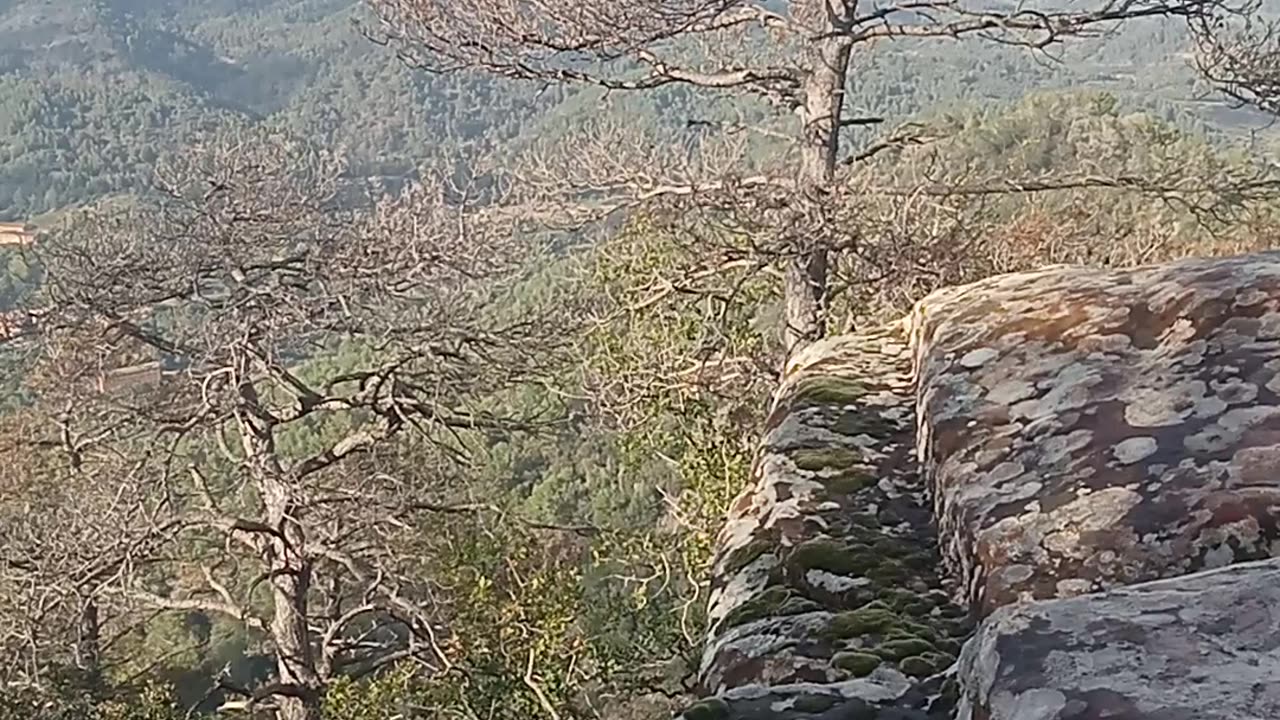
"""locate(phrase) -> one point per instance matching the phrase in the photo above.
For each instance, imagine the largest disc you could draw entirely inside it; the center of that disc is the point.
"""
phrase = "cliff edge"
(1051, 495)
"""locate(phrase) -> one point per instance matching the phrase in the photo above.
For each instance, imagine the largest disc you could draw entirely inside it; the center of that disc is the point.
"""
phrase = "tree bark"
(805, 288)
(88, 644)
(284, 556)
(295, 661)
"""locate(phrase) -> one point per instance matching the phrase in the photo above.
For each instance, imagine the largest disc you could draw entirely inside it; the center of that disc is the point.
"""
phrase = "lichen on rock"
(1084, 429)
(1200, 647)
(1086, 461)
(826, 586)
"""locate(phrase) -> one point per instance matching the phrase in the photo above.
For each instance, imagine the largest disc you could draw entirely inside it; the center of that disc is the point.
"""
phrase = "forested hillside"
(460, 448)
(93, 91)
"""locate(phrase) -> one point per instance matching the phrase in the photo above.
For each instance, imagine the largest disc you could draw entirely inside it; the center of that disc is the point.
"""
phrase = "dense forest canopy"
(92, 92)
(325, 258)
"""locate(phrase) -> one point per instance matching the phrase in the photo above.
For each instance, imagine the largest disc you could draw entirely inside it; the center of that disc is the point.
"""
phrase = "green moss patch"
(848, 482)
(888, 636)
(888, 573)
(925, 664)
(833, 458)
(832, 556)
(949, 646)
(871, 618)
(919, 630)
(761, 606)
(908, 602)
(776, 601)
(709, 709)
(864, 422)
(826, 390)
(906, 647)
(857, 664)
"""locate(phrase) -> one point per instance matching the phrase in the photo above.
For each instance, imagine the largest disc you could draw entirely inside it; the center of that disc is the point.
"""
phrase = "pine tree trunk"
(295, 664)
(290, 583)
(88, 645)
(284, 556)
(806, 274)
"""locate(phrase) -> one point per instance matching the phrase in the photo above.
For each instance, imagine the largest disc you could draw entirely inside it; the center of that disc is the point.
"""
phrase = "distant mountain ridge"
(93, 92)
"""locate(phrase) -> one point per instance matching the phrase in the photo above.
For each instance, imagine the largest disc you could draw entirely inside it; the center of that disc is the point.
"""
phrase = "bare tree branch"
(797, 58)
(1239, 53)
(298, 336)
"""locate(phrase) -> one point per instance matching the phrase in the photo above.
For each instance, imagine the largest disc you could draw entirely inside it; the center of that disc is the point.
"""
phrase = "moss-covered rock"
(888, 572)
(949, 646)
(863, 521)
(830, 555)
(863, 422)
(919, 608)
(775, 601)
(708, 709)
(814, 704)
(831, 458)
(898, 633)
(825, 390)
(899, 599)
(893, 546)
(961, 627)
(925, 664)
(906, 647)
(857, 664)
(916, 667)
(764, 605)
(747, 554)
(871, 618)
(848, 481)
(919, 630)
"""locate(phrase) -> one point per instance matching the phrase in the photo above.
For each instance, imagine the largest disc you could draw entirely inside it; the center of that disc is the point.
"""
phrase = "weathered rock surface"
(1084, 429)
(1200, 647)
(1073, 454)
(827, 600)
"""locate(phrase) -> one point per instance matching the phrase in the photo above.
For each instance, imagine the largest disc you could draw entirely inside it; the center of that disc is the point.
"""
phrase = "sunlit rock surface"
(1063, 437)
(1200, 647)
(1084, 429)
(827, 599)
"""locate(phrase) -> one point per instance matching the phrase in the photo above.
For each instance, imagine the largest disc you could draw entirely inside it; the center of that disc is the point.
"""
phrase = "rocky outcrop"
(1082, 430)
(1065, 438)
(1200, 647)
(827, 596)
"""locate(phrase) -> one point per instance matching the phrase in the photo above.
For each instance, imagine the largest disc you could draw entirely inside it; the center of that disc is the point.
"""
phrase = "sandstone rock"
(1200, 647)
(1084, 429)
(1084, 446)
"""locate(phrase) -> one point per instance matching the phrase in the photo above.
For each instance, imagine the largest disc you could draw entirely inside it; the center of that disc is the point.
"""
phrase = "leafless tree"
(228, 369)
(1239, 53)
(795, 56)
(52, 561)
